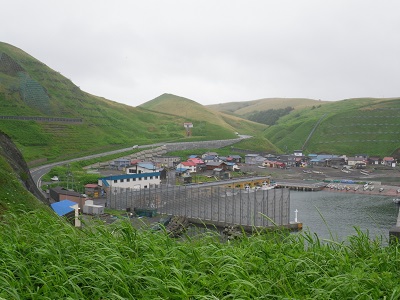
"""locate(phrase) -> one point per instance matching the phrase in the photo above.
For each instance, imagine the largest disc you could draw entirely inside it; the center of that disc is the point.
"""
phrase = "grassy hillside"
(245, 108)
(349, 127)
(199, 114)
(30, 88)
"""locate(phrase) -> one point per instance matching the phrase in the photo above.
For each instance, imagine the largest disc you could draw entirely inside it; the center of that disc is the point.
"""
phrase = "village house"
(120, 163)
(289, 160)
(141, 167)
(221, 173)
(59, 193)
(211, 154)
(298, 152)
(93, 190)
(273, 164)
(215, 164)
(232, 166)
(69, 210)
(196, 160)
(253, 159)
(209, 158)
(374, 160)
(354, 161)
(188, 165)
(234, 158)
(389, 161)
(167, 161)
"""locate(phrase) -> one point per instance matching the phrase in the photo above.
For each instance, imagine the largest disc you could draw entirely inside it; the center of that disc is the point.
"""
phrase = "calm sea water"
(324, 212)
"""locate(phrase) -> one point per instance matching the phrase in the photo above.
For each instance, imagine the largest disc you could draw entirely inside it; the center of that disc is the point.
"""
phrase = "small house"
(93, 190)
(215, 164)
(69, 210)
(59, 193)
(220, 173)
(254, 159)
(191, 166)
(389, 161)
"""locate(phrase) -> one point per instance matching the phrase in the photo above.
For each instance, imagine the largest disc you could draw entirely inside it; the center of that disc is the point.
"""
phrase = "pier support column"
(394, 232)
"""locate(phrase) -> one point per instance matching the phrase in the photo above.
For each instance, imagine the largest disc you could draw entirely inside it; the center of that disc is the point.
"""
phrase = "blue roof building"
(63, 207)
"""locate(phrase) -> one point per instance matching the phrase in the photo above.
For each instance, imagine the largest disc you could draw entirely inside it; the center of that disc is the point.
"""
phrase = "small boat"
(396, 200)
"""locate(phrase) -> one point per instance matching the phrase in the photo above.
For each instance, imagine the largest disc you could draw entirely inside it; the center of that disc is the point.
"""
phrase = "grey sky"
(213, 51)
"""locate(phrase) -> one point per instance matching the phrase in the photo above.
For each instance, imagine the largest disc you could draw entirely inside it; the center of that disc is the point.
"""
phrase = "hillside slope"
(18, 192)
(93, 124)
(353, 126)
(199, 114)
(245, 108)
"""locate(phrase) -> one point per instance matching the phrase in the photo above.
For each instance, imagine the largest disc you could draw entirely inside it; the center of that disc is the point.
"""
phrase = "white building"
(142, 167)
(132, 181)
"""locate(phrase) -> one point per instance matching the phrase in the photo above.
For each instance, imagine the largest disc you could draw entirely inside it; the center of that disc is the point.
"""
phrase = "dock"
(301, 185)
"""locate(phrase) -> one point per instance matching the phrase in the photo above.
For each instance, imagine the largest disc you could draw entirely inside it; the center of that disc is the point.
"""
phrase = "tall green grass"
(41, 257)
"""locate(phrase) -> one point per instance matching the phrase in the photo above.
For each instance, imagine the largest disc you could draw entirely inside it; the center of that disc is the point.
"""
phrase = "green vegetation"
(200, 116)
(347, 127)
(245, 108)
(270, 116)
(43, 257)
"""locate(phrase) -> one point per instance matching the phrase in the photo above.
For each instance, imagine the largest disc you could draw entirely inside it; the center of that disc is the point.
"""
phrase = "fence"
(218, 204)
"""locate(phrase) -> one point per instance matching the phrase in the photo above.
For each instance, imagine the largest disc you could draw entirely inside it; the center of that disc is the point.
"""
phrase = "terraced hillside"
(353, 126)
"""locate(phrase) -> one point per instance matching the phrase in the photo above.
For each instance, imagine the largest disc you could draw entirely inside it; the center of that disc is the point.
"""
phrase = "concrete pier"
(304, 186)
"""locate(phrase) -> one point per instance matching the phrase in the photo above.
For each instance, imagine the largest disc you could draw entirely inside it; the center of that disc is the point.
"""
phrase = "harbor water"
(334, 215)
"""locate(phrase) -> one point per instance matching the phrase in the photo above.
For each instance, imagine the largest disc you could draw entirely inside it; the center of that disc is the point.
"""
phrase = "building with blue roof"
(68, 209)
(132, 181)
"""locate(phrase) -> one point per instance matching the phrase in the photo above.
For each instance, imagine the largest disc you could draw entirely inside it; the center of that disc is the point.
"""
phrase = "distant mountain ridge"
(245, 108)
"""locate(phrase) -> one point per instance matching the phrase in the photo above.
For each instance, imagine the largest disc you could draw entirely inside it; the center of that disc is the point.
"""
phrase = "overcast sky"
(213, 51)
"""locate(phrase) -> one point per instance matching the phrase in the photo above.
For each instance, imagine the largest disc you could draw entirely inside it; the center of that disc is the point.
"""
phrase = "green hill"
(353, 126)
(205, 119)
(85, 123)
(198, 114)
(245, 108)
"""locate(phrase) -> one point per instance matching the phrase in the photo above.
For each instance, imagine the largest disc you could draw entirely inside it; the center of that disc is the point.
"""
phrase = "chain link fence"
(214, 203)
